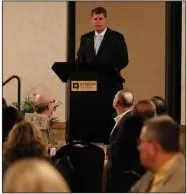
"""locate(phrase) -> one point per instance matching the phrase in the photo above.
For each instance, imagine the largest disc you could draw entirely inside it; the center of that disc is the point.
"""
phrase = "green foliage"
(53, 120)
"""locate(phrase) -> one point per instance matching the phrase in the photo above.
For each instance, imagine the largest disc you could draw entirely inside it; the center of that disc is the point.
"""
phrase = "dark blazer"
(119, 127)
(112, 51)
(124, 156)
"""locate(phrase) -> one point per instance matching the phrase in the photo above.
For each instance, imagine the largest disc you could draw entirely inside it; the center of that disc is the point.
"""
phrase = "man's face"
(51, 107)
(146, 149)
(99, 22)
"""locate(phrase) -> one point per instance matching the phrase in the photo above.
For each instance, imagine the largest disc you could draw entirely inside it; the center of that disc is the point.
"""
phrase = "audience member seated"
(145, 109)
(24, 140)
(10, 117)
(44, 104)
(122, 103)
(4, 104)
(124, 167)
(160, 104)
(159, 152)
(33, 176)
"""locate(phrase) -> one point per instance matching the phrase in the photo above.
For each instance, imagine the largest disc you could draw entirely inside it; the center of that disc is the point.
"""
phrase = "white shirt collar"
(118, 118)
(102, 33)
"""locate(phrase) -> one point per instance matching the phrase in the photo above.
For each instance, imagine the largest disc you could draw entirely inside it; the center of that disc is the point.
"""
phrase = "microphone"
(77, 64)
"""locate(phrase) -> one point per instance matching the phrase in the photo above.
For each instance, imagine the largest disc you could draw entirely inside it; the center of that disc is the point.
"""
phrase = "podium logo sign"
(83, 86)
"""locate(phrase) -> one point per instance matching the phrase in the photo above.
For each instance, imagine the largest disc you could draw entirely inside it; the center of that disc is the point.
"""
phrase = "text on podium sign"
(83, 86)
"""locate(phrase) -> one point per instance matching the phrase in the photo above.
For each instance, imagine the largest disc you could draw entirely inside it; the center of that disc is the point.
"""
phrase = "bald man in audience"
(122, 103)
(44, 103)
(159, 149)
(124, 166)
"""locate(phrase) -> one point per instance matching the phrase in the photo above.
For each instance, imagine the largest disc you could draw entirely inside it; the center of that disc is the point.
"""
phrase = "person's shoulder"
(131, 118)
(88, 34)
(142, 183)
(116, 33)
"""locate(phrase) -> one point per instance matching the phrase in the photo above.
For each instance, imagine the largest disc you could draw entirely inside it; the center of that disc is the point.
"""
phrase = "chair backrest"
(88, 162)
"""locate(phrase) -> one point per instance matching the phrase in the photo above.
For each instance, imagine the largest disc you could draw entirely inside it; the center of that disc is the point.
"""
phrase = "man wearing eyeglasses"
(44, 107)
(159, 149)
(44, 104)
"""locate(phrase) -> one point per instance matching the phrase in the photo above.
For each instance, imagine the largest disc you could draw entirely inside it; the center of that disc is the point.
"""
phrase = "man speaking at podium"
(102, 46)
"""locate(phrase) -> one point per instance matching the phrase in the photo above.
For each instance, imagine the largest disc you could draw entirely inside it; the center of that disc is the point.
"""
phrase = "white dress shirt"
(96, 36)
(102, 33)
(117, 119)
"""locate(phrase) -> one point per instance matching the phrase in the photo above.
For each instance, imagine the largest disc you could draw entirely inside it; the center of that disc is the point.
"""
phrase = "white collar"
(118, 118)
(102, 33)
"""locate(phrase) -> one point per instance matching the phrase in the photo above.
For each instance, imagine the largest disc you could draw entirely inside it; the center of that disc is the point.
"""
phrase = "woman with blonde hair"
(24, 140)
(33, 175)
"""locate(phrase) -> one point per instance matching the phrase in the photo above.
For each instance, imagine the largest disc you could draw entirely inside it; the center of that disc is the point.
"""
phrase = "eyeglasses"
(53, 101)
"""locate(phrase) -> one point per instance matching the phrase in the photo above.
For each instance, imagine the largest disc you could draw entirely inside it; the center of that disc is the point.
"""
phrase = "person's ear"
(156, 147)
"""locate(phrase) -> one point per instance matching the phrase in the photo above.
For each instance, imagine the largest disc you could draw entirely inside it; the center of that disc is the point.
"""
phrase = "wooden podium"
(90, 93)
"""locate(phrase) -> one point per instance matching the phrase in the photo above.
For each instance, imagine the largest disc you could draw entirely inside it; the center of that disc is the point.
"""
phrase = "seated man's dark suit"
(112, 51)
(118, 127)
(124, 167)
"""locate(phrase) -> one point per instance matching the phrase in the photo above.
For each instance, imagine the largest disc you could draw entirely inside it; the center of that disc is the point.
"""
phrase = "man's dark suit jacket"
(112, 51)
(124, 156)
(118, 127)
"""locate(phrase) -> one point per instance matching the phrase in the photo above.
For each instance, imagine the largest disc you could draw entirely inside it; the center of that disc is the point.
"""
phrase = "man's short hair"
(41, 102)
(125, 98)
(160, 104)
(145, 109)
(41, 109)
(165, 131)
(99, 10)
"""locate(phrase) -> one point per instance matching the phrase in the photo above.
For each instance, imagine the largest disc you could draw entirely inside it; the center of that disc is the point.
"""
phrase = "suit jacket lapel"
(113, 132)
(90, 45)
(145, 185)
(105, 40)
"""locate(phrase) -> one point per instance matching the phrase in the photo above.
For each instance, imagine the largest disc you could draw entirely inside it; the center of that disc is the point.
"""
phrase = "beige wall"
(143, 25)
(183, 69)
(34, 37)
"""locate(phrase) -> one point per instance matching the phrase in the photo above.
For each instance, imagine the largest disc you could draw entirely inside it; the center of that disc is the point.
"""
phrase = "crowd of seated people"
(143, 152)
(123, 171)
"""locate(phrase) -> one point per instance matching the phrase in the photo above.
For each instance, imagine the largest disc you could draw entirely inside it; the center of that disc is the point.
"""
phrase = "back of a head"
(133, 124)
(160, 104)
(10, 117)
(24, 140)
(145, 109)
(125, 98)
(42, 101)
(166, 132)
(33, 175)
